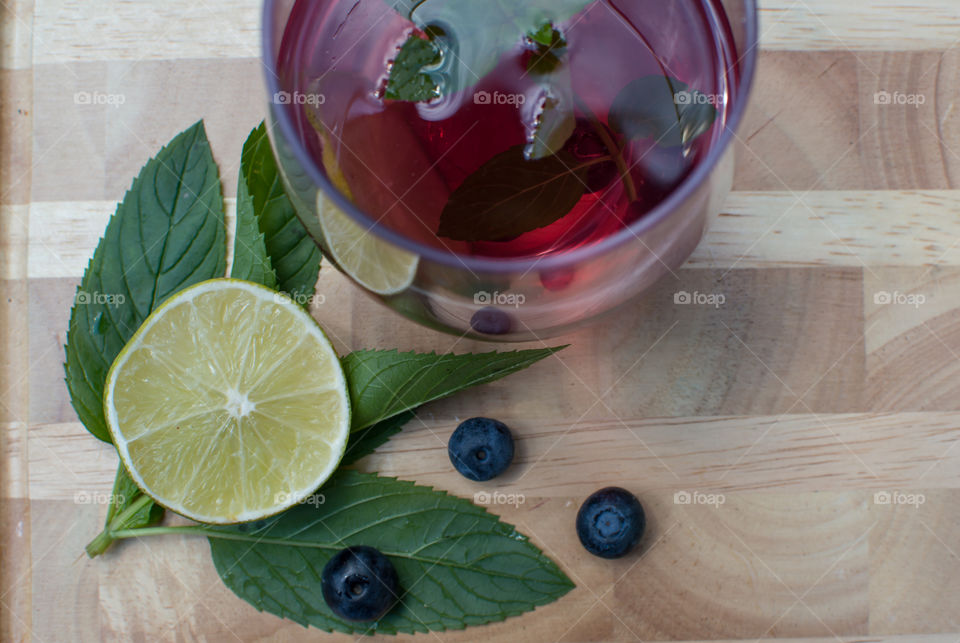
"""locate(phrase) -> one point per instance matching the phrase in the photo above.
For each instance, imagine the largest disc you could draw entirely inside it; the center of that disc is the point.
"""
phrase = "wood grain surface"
(829, 378)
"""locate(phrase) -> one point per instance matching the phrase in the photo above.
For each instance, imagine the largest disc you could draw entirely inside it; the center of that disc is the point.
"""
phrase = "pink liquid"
(402, 160)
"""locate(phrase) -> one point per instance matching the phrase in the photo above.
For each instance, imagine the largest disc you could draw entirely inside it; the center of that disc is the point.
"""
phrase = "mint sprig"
(460, 565)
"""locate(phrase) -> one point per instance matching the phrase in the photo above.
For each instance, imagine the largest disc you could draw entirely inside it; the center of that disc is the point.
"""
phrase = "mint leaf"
(661, 108)
(294, 256)
(385, 383)
(474, 36)
(407, 79)
(553, 128)
(250, 259)
(509, 196)
(166, 234)
(458, 564)
(546, 35)
(365, 441)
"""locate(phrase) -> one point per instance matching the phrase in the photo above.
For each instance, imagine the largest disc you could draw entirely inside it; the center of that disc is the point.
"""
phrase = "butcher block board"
(795, 403)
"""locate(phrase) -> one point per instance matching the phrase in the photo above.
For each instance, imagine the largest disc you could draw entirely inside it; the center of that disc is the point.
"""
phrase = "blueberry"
(610, 522)
(481, 448)
(557, 279)
(491, 321)
(359, 584)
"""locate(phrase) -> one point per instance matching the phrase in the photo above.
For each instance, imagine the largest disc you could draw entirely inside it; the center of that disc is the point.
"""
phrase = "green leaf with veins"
(294, 256)
(471, 36)
(385, 383)
(509, 196)
(458, 564)
(250, 259)
(408, 79)
(167, 233)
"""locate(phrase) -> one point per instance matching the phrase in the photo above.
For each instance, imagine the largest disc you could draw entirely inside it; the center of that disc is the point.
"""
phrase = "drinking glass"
(444, 286)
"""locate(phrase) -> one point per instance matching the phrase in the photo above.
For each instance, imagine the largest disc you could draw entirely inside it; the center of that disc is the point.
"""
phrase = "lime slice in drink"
(228, 404)
(375, 264)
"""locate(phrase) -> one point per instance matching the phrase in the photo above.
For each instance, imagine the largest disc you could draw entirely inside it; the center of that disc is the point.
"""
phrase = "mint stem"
(160, 531)
(612, 147)
(106, 537)
(99, 544)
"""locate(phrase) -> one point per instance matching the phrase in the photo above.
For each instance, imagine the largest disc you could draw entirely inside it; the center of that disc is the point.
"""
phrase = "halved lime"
(229, 403)
(375, 264)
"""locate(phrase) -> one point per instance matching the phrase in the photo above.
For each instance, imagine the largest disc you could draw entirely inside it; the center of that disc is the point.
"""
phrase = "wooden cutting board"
(795, 402)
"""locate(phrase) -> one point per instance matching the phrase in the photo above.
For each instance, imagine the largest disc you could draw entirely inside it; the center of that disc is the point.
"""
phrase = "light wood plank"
(825, 228)
(791, 453)
(94, 30)
(16, 42)
(815, 122)
(755, 230)
(75, 30)
(880, 25)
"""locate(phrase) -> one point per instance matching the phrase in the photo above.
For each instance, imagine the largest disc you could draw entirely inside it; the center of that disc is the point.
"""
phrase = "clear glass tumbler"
(444, 286)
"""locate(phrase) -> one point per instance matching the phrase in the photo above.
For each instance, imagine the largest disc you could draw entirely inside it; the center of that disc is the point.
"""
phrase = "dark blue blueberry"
(360, 584)
(610, 522)
(481, 448)
(491, 321)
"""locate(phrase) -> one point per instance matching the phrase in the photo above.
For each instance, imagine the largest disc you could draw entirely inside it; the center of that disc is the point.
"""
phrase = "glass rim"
(655, 216)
